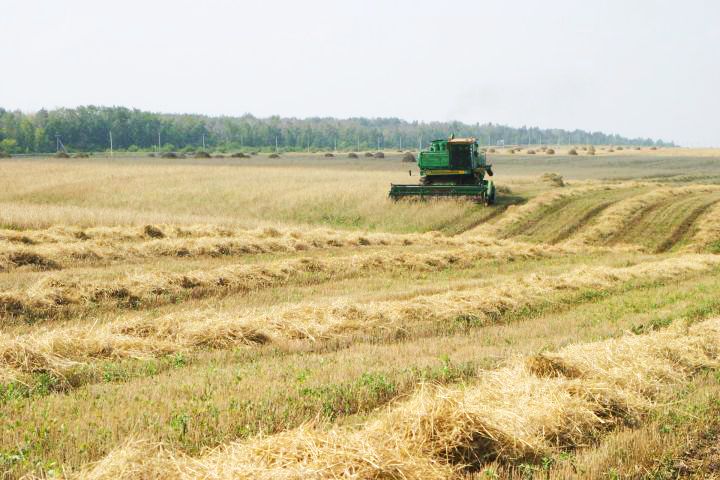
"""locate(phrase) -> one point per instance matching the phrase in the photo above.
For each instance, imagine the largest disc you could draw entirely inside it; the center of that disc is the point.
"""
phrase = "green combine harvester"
(451, 168)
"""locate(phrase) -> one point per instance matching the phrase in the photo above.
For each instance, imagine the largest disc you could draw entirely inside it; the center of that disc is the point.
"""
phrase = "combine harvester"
(451, 168)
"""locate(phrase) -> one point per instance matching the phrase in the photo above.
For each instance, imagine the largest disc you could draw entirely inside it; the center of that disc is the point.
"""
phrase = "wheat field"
(282, 318)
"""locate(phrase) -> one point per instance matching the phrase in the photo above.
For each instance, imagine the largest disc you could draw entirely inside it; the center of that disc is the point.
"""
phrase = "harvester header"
(451, 168)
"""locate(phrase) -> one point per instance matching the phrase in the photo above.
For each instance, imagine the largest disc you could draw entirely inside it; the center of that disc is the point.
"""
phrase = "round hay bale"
(653, 148)
(239, 155)
(572, 151)
(619, 148)
(610, 150)
(274, 155)
(531, 152)
(151, 155)
(4, 154)
(408, 157)
(218, 155)
(379, 155)
(491, 150)
(550, 151)
(253, 153)
(638, 148)
(202, 155)
(62, 155)
(170, 155)
(329, 155)
(352, 155)
(368, 154)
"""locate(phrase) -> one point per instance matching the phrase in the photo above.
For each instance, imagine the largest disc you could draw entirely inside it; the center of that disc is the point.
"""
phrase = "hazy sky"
(638, 68)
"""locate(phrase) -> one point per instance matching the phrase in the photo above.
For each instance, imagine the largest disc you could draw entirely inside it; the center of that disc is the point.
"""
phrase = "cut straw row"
(531, 409)
(616, 218)
(54, 295)
(707, 234)
(126, 235)
(57, 255)
(61, 349)
(515, 214)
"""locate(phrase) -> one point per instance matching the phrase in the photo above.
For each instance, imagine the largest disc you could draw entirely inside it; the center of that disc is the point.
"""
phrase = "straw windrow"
(53, 295)
(616, 218)
(517, 213)
(707, 235)
(59, 349)
(53, 247)
(523, 412)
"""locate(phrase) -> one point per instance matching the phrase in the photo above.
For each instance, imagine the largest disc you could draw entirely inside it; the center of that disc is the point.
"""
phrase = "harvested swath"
(169, 242)
(52, 296)
(707, 236)
(617, 217)
(408, 157)
(515, 214)
(144, 336)
(530, 409)
(202, 154)
(128, 234)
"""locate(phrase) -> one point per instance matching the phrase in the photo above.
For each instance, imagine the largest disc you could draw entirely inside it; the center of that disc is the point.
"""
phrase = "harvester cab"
(451, 168)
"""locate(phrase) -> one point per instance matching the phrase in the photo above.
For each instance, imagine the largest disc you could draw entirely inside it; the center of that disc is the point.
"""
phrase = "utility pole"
(111, 149)
(400, 142)
(358, 142)
(276, 144)
(57, 143)
(203, 141)
(335, 149)
(159, 146)
(378, 144)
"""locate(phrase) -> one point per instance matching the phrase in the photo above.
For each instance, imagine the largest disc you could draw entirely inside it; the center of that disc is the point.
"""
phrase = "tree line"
(89, 128)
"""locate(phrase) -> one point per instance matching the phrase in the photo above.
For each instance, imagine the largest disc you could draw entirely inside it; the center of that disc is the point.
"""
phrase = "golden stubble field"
(281, 318)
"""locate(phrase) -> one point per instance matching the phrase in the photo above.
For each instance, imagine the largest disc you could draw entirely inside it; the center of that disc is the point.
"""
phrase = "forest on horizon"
(88, 129)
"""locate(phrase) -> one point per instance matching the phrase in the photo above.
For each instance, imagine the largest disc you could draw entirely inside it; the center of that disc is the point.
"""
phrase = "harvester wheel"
(490, 195)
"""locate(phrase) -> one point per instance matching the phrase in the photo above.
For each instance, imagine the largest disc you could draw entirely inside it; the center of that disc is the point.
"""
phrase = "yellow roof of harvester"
(462, 140)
